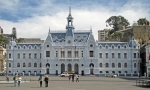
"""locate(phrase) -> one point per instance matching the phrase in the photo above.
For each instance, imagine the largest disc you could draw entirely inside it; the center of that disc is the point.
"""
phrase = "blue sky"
(38, 15)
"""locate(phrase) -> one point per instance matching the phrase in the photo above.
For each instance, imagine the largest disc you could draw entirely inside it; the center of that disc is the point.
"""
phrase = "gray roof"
(78, 37)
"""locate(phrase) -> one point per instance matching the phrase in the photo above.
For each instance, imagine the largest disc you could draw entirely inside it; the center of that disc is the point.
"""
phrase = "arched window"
(29, 65)
(107, 65)
(125, 65)
(118, 47)
(35, 64)
(113, 65)
(35, 47)
(18, 64)
(134, 65)
(100, 65)
(24, 65)
(9, 64)
(119, 65)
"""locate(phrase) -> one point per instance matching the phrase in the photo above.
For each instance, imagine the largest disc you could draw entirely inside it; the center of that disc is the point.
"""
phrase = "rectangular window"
(125, 55)
(56, 53)
(24, 55)
(35, 55)
(40, 55)
(82, 53)
(69, 54)
(76, 54)
(113, 55)
(138, 55)
(18, 55)
(47, 53)
(134, 55)
(9, 55)
(62, 54)
(29, 55)
(119, 55)
(106, 55)
(100, 55)
(91, 54)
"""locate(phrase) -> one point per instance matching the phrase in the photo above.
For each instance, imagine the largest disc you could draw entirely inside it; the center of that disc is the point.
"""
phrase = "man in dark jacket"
(46, 79)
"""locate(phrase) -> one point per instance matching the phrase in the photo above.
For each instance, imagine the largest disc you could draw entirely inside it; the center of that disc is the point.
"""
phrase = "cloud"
(37, 26)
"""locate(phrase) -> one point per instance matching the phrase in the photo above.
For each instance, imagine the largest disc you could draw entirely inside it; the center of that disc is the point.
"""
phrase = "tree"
(116, 21)
(3, 41)
(143, 21)
(117, 36)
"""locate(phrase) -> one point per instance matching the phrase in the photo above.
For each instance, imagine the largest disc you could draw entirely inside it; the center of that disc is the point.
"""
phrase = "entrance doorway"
(91, 68)
(62, 68)
(69, 68)
(76, 69)
(47, 68)
(82, 73)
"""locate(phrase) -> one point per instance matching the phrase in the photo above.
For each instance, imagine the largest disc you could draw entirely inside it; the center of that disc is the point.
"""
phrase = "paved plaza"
(62, 83)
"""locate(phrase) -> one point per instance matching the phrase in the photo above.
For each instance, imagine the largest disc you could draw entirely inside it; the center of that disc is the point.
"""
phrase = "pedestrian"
(77, 78)
(73, 77)
(7, 78)
(15, 80)
(69, 77)
(19, 80)
(40, 80)
(46, 80)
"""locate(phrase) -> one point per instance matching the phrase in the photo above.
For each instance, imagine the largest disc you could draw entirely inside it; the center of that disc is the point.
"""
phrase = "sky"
(34, 18)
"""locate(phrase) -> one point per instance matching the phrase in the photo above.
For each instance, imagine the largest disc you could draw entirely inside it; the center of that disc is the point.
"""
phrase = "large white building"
(73, 50)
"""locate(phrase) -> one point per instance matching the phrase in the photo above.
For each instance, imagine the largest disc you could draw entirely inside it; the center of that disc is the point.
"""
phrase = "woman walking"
(46, 80)
(19, 80)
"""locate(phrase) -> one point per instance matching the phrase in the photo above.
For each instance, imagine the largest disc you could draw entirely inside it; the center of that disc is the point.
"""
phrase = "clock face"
(91, 45)
(69, 41)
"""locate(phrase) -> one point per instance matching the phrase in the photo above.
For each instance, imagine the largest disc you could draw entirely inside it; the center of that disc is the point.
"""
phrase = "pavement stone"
(86, 83)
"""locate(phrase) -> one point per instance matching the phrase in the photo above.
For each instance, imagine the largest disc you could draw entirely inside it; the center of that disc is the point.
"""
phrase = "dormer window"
(134, 46)
(112, 47)
(35, 47)
(100, 47)
(106, 47)
(29, 47)
(18, 47)
(125, 47)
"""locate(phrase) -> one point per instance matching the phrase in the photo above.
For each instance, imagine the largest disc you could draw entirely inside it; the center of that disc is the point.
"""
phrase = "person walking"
(77, 78)
(69, 77)
(19, 80)
(73, 77)
(46, 80)
(15, 80)
(40, 80)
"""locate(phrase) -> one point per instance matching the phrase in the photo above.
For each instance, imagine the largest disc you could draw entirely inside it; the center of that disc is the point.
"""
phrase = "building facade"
(103, 34)
(147, 60)
(73, 51)
(2, 59)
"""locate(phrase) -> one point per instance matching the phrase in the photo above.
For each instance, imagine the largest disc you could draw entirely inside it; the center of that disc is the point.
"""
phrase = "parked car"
(65, 74)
